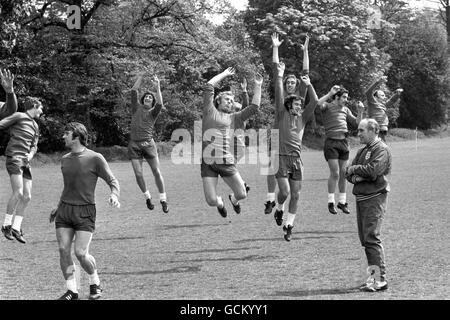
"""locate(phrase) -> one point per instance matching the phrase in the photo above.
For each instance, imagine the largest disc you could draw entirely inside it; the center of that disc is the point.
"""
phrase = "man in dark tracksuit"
(368, 173)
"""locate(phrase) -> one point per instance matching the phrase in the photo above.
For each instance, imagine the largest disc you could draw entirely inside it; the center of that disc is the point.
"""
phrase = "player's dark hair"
(297, 81)
(290, 100)
(339, 93)
(30, 103)
(78, 130)
(148, 93)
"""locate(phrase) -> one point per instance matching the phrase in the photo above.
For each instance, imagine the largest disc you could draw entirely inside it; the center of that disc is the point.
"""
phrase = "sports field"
(193, 253)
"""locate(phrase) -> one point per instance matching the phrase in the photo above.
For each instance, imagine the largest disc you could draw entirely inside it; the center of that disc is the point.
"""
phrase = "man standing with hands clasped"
(368, 172)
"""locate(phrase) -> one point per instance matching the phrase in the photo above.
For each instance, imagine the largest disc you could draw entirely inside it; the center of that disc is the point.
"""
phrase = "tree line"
(86, 74)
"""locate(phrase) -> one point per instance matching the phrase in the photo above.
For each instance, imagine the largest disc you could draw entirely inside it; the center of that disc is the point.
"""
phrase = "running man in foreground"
(292, 119)
(218, 123)
(22, 146)
(335, 116)
(76, 213)
(142, 145)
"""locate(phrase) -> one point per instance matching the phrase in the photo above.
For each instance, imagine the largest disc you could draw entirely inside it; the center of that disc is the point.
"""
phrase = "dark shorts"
(215, 169)
(16, 165)
(142, 149)
(78, 218)
(336, 149)
(290, 167)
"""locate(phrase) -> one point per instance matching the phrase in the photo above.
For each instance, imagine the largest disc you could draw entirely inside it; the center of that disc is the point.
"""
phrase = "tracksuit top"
(373, 163)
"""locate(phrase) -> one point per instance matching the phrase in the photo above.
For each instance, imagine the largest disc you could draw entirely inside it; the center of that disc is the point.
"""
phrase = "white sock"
(93, 278)
(233, 199)
(342, 198)
(72, 285)
(331, 197)
(8, 220)
(290, 219)
(270, 197)
(280, 206)
(219, 202)
(17, 222)
(147, 195)
(162, 197)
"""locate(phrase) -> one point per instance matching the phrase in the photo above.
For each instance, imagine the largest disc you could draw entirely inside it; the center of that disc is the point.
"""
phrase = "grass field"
(193, 253)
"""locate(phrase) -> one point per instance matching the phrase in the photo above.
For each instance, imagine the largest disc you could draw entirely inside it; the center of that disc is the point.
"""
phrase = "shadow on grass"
(182, 269)
(217, 250)
(246, 258)
(294, 238)
(95, 239)
(315, 292)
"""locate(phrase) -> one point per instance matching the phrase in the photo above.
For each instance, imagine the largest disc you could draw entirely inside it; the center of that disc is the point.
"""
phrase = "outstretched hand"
(229, 71)
(384, 78)
(304, 46)
(114, 201)
(306, 80)
(155, 81)
(275, 41)
(7, 79)
(399, 90)
(360, 105)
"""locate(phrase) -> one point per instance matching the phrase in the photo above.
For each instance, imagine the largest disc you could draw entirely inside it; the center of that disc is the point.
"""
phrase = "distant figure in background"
(377, 105)
(368, 172)
(75, 214)
(142, 145)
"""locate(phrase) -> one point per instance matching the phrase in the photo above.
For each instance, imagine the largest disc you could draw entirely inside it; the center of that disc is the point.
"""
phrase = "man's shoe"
(6, 230)
(288, 234)
(236, 207)
(165, 207)
(343, 207)
(332, 208)
(95, 292)
(18, 235)
(69, 295)
(375, 286)
(278, 217)
(269, 206)
(222, 211)
(150, 205)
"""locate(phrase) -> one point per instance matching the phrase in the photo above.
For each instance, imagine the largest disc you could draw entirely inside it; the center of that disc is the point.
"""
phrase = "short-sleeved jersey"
(335, 119)
(142, 122)
(24, 134)
(219, 127)
(81, 172)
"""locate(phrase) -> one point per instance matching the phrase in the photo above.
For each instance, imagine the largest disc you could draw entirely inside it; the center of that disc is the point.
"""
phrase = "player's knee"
(80, 254)
(295, 196)
(64, 252)
(26, 197)
(18, 194)
(211, 201)
(334, 174)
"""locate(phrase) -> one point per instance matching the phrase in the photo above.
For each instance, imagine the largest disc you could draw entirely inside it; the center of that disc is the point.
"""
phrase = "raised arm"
(256, 100)
(392, 100)
(279, 95)
(159, 101)
(321, 102)
(275, 44)
(135, 92)
(354, 121)
(9, 121)
(244, 93)
(304, 47)
(218, 78)
(7, 82)
(208, 91)
(373, 87)
(311, 106)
